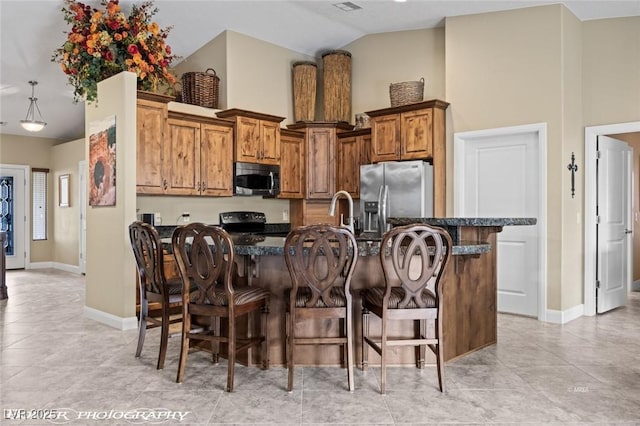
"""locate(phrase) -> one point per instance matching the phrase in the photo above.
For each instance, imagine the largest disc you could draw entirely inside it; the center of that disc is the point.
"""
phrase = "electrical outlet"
(186, 216)
(285, 214)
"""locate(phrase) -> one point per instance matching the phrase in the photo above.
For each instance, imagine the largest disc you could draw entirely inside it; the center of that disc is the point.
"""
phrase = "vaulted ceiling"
(31, 30)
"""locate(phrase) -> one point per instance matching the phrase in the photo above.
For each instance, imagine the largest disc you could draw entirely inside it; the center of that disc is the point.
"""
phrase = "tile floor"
(51, 357)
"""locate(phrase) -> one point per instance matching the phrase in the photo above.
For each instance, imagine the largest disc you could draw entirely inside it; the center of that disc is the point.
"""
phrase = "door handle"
(628, 231)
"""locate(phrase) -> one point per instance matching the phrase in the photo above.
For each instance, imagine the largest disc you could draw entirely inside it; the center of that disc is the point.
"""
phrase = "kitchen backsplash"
(207, 209)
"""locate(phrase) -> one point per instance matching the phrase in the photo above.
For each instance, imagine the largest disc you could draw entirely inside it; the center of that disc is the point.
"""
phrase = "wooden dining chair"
(154, 288)
(413, 260)
(321, 260)
(205, 257)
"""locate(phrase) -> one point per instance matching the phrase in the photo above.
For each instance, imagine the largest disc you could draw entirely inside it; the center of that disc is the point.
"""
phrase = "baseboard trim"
(635, 286)
(563, 317)
(40, 265)
(55, 265)
(111, 320)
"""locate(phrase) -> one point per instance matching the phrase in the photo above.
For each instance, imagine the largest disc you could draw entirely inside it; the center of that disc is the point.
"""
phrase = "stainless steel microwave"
(256, 179)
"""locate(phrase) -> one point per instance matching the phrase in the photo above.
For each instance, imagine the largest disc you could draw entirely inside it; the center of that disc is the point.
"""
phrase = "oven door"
(256, 179)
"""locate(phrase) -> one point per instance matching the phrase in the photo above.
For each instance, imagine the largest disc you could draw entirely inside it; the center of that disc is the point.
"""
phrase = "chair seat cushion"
(375, 295)
(243, 295)
(304, 294)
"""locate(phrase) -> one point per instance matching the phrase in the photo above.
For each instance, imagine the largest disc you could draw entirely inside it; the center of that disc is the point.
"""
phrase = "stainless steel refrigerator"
(394, 189)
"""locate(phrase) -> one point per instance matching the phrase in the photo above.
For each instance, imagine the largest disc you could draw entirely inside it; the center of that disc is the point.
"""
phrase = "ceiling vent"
(347, 6)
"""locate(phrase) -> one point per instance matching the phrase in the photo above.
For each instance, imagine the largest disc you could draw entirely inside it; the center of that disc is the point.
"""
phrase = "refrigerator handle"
(380, 212)
(383, 203)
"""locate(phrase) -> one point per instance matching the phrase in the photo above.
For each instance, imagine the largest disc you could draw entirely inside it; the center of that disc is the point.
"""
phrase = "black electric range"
(247, 227)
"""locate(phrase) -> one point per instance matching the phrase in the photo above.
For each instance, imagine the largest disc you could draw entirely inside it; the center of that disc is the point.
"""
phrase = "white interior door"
(13, 198)
(614, 223)
(499, 177)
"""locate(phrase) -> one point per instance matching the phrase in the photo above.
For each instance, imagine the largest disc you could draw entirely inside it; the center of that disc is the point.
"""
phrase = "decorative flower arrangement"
(101, 44)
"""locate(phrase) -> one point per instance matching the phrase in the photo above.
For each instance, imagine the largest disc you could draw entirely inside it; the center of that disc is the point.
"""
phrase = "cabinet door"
(216, 160)
(247, 139)
(385, 138)
(269, 143)
(182, 157)
(348, 165)
(416, 141)
(320, 163)
(291, 166)
(365, 149)
(151, 119)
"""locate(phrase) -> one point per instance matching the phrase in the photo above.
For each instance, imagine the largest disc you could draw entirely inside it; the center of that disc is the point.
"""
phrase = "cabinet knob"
(164, 184)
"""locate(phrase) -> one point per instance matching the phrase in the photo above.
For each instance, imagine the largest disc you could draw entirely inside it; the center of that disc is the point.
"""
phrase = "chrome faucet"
(332, 210)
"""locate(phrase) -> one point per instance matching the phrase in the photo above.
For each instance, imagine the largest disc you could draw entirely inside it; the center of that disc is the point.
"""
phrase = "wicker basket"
(407, 92)
(201, 88)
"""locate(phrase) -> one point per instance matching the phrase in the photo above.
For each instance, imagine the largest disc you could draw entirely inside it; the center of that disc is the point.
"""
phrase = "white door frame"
(27, 210)
(590, 185)
(460, 139)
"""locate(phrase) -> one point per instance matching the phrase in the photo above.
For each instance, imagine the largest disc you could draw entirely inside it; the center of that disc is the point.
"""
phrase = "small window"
(39, 203)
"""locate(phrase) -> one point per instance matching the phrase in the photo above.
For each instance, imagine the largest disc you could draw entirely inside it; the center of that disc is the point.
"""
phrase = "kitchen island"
(470, 291)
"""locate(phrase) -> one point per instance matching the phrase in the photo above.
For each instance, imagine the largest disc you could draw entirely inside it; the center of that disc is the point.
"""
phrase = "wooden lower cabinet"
(309, 212)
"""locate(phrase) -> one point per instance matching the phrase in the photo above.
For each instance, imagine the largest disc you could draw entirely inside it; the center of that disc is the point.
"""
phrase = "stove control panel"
(242, 217)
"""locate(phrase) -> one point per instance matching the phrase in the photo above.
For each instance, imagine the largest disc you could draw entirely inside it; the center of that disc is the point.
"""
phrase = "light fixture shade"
(32, 126)
(30, 123)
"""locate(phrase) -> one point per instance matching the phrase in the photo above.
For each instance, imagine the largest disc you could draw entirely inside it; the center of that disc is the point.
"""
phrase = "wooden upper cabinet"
(407, 132)
(151, 128)
(182, 152)
(257, 137)
(352, 151)
(416, 132)
(216, 159)
(385, 138)
(416, 141)
(320, 153)
(292, 176)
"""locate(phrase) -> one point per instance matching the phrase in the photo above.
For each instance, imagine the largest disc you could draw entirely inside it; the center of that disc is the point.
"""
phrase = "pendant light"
(30, 123)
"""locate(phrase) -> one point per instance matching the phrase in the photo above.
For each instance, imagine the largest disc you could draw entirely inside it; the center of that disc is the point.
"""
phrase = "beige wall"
(501, 72)
(206, 209)
(611, 60)
(254, 74)
(33, 152)
(64, 160)
(381, 59)
(572, 275)
(110, 283)
(211, 55)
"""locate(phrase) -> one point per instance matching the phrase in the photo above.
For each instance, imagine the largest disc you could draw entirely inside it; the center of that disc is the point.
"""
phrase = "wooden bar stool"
(416, 256)
(321, 260)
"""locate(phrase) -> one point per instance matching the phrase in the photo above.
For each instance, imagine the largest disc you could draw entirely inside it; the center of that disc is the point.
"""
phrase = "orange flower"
(117, 37)
(153, 28)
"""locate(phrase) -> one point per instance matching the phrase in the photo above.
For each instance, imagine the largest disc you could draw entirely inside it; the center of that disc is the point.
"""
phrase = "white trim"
(635, 286)
(590, 144)
(75, 269)
(55, 265)
(563, 317)
(119, 323)
(40, 265)
(27, 209)
(459, 140)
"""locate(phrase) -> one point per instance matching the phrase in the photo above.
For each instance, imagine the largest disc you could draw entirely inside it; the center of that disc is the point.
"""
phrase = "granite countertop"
(463, 221)
(274, 246)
